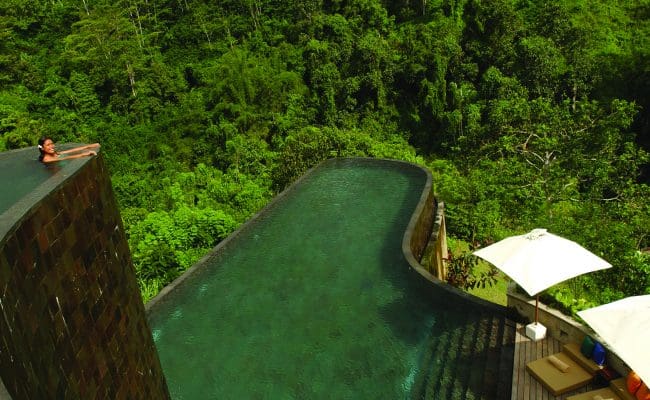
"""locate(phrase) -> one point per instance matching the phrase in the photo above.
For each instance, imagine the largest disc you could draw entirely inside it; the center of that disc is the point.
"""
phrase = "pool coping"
(414, 264)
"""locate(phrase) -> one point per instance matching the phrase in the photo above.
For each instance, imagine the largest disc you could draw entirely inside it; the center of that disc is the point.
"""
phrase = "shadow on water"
(460, 347)
(419, 300)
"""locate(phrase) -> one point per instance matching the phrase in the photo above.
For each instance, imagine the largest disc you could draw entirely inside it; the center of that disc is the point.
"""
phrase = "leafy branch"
(461, 272)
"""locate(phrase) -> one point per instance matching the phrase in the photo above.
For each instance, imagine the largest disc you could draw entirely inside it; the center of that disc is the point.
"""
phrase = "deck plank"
(519, 373)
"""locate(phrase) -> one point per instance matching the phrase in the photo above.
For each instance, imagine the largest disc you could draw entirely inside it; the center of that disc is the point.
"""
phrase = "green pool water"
(313, 300)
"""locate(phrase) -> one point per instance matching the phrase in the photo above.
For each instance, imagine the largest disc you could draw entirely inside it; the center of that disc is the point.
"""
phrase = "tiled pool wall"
(72, 321)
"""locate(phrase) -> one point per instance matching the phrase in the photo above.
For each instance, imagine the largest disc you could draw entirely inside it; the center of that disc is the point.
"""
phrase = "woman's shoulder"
(50, 158)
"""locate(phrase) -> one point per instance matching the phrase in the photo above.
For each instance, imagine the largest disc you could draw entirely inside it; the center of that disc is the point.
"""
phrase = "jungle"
(528, 113)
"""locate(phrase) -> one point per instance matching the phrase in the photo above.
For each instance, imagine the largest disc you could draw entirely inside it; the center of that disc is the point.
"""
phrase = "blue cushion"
(599, 354)
(587, 347)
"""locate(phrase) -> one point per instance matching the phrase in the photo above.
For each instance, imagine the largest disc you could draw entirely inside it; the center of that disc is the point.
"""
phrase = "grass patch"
(495, 293)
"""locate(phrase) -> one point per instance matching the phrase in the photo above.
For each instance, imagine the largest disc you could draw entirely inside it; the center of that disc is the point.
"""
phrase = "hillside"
(529, 114)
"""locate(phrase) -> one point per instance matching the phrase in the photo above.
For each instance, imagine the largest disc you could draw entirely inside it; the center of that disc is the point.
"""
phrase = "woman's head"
(45, 146)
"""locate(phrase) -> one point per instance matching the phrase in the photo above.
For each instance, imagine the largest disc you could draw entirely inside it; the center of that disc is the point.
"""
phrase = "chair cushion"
(604, 393)
(633, 382)
(599, 354)
(573, 350)
(553, 379)
(587, 346)
(618, 386)
(643, 393)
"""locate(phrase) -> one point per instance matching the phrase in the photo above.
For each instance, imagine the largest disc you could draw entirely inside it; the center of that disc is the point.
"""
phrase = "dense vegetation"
(528, 113)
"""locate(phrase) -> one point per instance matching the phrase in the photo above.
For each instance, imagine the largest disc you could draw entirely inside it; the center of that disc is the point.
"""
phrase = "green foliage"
(462, 272)
(167, 243)
(529, 114)
(308, 147)
(567, 300)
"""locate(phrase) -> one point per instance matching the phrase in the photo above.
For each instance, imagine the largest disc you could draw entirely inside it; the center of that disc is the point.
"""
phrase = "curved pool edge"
(415, 237)
(426, 215)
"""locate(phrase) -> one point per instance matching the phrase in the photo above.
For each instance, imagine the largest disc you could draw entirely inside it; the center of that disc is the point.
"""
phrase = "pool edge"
(429, 204)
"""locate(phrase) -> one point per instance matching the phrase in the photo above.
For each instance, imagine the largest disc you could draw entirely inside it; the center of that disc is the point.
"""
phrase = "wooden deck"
(524, 386)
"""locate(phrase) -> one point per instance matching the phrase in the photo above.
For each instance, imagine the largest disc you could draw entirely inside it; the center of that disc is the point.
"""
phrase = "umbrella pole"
(535, 330)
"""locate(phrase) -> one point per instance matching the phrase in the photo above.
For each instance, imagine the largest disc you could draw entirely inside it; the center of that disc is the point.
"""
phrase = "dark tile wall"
(72, 323)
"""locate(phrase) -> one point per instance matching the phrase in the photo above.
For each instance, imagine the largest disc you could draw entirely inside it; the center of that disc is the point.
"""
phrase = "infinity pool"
(21, 173)
(313, 299)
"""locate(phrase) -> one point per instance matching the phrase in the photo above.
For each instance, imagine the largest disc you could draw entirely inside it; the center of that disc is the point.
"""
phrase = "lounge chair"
(559, 380)
(604, 393)
(573, 350)
(577, 368)
(616, 391)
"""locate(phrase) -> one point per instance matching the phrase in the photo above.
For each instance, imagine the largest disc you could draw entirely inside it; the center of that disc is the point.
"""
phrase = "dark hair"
(41, 143)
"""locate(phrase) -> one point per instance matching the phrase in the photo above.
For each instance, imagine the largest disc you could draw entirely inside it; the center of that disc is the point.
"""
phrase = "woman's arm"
(48, 158)
(93, 146)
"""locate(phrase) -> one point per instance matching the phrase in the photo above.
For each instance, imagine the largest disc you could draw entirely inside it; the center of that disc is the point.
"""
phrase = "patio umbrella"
(539, 260)
(624, 325)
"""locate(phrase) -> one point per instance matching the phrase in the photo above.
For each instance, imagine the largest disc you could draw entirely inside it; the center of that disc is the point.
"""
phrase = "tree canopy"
(529, 114)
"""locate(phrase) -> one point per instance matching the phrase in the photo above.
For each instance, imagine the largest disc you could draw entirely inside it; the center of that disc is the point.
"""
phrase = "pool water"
(314, 300)
(21, 171)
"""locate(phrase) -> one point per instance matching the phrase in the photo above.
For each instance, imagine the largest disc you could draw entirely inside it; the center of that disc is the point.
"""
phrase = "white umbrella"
(539, 259)
(624, 325)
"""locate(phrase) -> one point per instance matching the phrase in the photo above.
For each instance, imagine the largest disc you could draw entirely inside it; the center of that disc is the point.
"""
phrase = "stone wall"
(425, 247)
(72, 322)
(419, 228)
(434, 259)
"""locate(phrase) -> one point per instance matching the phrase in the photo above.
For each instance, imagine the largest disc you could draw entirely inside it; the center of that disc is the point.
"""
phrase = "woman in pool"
(49, 153)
